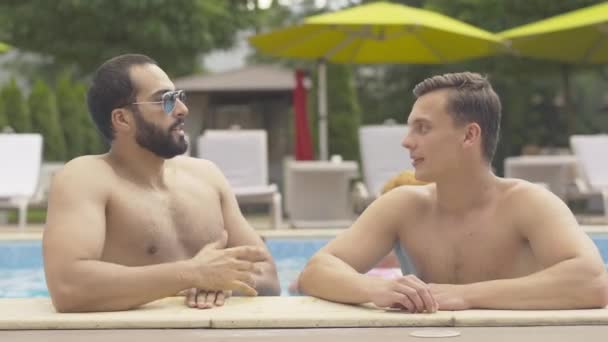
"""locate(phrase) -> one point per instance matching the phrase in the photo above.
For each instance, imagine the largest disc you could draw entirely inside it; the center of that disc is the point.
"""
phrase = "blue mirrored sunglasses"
(168, 100)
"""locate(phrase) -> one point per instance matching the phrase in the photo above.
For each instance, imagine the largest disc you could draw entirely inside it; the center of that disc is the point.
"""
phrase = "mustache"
(177, 123)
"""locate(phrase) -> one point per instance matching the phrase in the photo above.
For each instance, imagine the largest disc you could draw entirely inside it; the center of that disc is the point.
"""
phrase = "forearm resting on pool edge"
(328, 277)
(570, 284)
(93, 285)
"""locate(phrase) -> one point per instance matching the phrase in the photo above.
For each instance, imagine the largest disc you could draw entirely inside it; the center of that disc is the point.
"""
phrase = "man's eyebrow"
(419, 120)
(160, 92)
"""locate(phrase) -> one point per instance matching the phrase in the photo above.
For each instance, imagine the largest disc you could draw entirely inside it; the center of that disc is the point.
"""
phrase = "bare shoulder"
(90, 172)
(520, 193)
(84, 180)
(406, 201)
(532, 204)
(417, 197)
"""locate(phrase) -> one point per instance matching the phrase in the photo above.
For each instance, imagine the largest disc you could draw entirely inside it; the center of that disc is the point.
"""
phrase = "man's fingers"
(203, 299)
(248, 253)
(430, 304)
(243, 288)
(423, 295)
(220, 298)
(241, 265)
(191, 297)
(405, 302)
(412, 294)
(206, 299)
(424, 291)
(246, 278)
(427, 297)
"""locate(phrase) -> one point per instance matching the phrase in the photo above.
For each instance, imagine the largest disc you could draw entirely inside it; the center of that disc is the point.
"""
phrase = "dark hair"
(112, 88)
(471, 99)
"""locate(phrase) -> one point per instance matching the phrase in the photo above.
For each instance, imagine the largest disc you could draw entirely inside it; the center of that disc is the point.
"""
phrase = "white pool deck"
(286, 318)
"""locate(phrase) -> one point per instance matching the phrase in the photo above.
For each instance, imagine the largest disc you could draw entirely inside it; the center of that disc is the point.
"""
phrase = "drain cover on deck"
(435, 333)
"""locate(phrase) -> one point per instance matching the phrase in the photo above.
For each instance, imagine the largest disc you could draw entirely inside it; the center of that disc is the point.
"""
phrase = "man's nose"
(181, 110)
(407, 142)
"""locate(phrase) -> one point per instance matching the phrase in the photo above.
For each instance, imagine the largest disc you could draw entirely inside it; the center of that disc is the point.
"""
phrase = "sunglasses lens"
(168, 102)
(170, 98)
(169, 105)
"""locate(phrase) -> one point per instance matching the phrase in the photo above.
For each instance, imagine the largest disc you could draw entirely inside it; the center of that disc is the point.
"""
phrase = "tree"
(45, 120)
(15, 107)
(93, 142)
(73, 114)
(86, 33)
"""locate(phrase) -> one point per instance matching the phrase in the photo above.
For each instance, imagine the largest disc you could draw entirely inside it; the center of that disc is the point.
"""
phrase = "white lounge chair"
(556, 172)
(382, 156)
(317, 193)
(242, 155)
(20, 158)
(590, 151)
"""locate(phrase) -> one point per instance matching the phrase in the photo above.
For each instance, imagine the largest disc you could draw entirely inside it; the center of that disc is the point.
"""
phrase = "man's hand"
(217, 269)
(450, 297)
(202, 299)
(407, 292)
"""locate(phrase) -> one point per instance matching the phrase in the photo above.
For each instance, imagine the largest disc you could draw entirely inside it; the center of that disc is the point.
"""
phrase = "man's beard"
(157, 141)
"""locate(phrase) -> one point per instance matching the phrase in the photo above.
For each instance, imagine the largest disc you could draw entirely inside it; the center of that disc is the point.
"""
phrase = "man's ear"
(472, 134)
(122, 120)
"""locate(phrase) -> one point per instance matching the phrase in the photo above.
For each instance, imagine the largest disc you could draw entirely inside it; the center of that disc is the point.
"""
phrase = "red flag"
(303, 145)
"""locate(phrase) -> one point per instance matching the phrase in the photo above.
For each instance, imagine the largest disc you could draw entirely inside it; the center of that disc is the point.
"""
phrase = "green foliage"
(343, 112)
(93, 141)
(15, 107)
(86, 33)
(73, 114)
(45, 120)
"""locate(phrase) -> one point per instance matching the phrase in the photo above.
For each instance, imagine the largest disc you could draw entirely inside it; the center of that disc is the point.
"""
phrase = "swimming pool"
(22, 275)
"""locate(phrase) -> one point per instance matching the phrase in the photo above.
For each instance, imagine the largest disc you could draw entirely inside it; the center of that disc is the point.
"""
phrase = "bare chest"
(147, 227)
(460, 252)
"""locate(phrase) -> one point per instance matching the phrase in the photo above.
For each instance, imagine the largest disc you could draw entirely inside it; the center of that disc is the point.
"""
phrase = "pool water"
(22, 275)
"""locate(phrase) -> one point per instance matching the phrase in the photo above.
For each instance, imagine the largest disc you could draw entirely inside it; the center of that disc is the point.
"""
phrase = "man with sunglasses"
(142, 222)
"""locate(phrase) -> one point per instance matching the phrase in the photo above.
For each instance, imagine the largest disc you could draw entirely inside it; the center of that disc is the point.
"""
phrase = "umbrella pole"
(322, 102)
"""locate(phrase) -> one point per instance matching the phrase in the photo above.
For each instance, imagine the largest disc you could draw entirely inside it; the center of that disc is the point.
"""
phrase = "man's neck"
(465, 190)
(138, 164)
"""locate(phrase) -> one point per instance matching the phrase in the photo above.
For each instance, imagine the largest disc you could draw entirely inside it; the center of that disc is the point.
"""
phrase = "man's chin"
(422, 176)
(178, 151)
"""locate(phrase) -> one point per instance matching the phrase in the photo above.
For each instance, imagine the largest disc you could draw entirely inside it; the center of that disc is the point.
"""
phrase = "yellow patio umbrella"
(379, 32)
(576, 37)
(580, 36)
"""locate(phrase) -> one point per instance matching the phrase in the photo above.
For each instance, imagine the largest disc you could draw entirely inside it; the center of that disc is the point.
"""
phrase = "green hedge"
(59, 114)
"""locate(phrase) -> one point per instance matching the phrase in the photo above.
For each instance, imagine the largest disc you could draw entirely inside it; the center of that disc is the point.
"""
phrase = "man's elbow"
(65, 298)
(69, 298)
(306, 280)
(600, 291)
(592, 288)
(271, 289)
